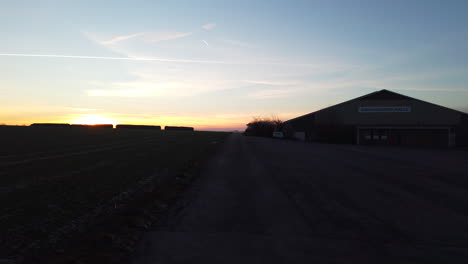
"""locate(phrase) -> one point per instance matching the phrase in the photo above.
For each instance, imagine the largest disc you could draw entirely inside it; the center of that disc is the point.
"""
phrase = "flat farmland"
(49, 177)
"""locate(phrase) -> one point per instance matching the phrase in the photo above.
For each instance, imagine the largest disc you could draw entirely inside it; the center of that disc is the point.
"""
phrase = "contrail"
(154, 59)
(111, 58)
(204, 41)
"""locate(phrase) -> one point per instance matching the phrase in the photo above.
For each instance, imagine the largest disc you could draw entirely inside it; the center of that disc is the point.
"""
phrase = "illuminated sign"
(384, 109)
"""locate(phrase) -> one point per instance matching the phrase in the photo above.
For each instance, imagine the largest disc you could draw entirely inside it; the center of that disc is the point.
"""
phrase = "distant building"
(145, 127)
(96, 126)
(178, 128)
(50, 125)
(382, 118)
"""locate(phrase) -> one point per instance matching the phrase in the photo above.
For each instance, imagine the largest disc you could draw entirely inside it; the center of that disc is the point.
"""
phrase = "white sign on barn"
(384, 109)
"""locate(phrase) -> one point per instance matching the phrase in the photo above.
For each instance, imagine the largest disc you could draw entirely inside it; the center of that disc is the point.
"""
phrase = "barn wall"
(461, 131)
(344, 134)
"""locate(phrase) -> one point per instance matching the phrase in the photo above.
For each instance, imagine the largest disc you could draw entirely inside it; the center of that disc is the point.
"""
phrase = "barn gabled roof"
(378, 95)
(383, 95)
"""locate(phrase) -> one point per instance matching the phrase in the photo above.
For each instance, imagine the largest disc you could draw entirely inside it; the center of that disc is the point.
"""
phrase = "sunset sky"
(217, 64)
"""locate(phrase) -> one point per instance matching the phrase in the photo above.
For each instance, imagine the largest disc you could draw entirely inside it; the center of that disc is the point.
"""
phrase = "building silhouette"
(382, 118)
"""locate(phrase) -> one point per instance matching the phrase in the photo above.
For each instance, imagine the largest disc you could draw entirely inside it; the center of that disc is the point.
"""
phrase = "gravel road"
(276, 201)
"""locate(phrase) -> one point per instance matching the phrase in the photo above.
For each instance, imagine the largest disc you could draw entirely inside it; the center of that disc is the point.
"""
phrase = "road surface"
(276, 201)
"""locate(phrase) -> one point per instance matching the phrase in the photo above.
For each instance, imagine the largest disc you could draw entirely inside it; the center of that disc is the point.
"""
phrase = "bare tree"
(263, 127)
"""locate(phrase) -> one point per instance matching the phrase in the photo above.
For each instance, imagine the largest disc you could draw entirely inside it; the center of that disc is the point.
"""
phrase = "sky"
(215, 65)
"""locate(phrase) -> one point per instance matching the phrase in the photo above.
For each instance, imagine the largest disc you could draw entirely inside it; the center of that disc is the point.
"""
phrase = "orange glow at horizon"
(199, 123)
(93, 120)
(215, 122)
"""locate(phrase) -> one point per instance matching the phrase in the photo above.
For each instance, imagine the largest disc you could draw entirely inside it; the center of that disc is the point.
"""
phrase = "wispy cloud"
(162, 36)
(158, 59)
(80, 109)
(71, 56)
(402, 82)
(121, 38)
(235, 43)
(119, 93)
(272, 83)
(426, 89)
(167, 85)
(151, 36)
(208, 27)
(147, 36)
(273, 93)
(149, 59)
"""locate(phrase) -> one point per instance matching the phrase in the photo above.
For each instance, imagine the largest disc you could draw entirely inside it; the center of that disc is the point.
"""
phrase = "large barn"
(383, 118)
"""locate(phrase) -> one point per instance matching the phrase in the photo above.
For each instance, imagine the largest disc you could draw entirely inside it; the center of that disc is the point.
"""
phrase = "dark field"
(50, 177)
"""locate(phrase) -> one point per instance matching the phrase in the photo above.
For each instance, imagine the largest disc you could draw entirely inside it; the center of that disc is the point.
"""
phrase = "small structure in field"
(50, 125)
(147, 127)
(178, 128)
(108, 126)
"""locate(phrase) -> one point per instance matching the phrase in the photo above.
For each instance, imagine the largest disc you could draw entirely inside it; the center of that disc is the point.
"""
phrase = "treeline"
(263, 127)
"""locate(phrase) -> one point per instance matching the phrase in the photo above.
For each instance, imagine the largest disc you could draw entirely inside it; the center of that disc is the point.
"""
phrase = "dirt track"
(273, 201)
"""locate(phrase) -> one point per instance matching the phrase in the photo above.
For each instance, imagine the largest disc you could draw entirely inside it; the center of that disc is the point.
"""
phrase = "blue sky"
(217, 64)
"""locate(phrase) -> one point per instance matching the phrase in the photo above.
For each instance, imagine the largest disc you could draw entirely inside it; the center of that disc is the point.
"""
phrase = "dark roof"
(378, 95)
(384, 95)
(126, 126)
(179, 128)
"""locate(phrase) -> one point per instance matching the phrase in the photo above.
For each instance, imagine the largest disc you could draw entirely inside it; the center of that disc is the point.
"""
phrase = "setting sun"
(93, 120)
